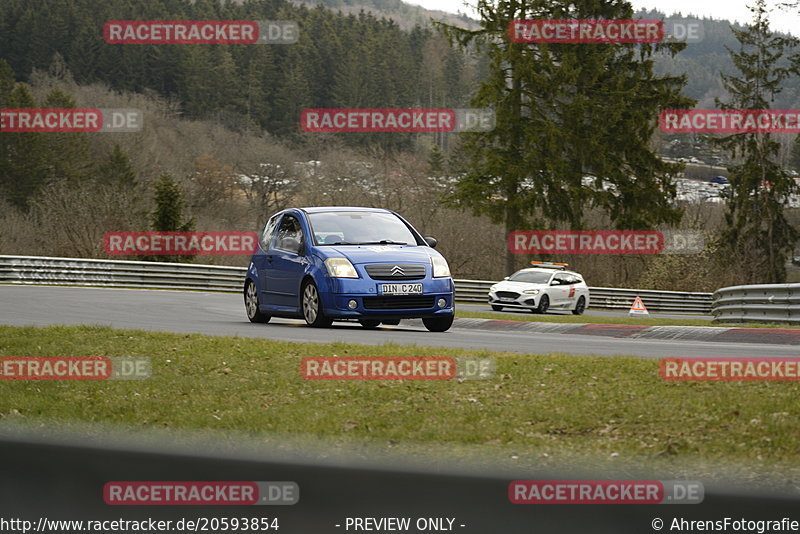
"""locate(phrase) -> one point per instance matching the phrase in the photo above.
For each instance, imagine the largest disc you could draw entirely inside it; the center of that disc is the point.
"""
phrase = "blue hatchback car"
(337, 263)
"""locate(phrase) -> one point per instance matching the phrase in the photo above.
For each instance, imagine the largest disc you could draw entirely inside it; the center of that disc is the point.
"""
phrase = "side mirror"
(506, 278)
(555, 283)
(431, 241)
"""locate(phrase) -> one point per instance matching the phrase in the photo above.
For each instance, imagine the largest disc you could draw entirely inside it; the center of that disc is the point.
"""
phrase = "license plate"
(507, 299)
(400, 289)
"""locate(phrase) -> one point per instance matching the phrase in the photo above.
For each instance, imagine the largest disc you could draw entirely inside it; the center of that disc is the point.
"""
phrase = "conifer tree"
(68, 155)
(758, 239)
(117, 169)
(23, 155)
(168, 214)
(565, 112)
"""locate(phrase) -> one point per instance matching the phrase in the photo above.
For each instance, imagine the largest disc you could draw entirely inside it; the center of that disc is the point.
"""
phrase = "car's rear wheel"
(580, 307)
(497, 308)
(544, 304)
(369, 324)
(251, 304)
(438, 324)
(312, 307)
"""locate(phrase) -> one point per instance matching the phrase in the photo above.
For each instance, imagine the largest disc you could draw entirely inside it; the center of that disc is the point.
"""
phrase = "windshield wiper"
(383, 242)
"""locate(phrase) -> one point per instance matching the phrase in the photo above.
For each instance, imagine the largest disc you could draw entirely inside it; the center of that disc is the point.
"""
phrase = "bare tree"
(267, 174)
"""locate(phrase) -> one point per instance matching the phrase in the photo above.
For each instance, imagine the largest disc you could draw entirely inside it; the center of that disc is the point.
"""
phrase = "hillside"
(702, 62)
(405, 15)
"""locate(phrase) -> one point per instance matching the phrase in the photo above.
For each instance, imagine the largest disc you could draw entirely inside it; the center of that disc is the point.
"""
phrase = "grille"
(398, 302)
(392, 271)
(507, 294)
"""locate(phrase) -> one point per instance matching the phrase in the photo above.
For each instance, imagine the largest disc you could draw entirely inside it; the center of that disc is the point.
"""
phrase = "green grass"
(538, 410)
(595, 319)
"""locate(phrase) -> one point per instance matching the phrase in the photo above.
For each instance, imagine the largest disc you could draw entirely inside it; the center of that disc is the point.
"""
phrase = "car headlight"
(440, 267)
(340, 268)
(531, 291)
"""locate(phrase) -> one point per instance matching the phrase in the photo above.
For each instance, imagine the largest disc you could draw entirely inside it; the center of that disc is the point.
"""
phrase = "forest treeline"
(339, 61)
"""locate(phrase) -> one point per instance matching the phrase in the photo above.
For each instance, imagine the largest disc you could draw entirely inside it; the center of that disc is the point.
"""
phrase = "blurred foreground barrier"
(764, 303)
(156, 275)
(48, 477)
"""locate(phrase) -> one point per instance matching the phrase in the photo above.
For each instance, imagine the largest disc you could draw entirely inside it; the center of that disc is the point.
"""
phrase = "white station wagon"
(548, 286)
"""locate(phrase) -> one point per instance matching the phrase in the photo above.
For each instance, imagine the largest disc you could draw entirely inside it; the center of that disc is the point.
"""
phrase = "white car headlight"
(440, 267)
(531, 291)
(340, 268)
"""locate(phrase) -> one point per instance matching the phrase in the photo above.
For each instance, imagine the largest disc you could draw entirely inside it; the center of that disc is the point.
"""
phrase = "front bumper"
(521, 301)
(369, 304)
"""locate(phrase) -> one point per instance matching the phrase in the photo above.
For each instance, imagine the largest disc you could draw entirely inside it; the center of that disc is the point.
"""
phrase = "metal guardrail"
(609, 298)
(119, 273)
(156, 275)
(770, 303)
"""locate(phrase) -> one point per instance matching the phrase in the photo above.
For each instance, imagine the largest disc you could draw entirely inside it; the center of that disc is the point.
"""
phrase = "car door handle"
(269, 259)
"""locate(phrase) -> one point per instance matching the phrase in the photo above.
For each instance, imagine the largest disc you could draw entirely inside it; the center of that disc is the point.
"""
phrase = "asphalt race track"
(223, 314)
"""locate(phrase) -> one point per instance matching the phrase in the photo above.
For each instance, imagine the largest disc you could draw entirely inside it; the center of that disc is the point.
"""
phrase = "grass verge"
(538, 410)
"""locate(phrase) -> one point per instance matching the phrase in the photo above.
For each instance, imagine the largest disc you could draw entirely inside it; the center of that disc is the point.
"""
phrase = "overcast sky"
(787, 21)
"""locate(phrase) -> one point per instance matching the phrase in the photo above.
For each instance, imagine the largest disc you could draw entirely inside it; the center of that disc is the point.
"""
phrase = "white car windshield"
(533, 277)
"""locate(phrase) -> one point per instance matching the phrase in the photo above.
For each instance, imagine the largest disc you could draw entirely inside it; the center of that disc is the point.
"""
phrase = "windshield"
(534, 277)
(360, 228)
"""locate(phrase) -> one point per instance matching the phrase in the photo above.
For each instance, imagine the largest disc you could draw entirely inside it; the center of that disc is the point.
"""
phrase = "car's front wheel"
(251, 304)
(544, 304)
(495, 307)
(438, 324)
(580, 307)
(369, 324)
(312, 307)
